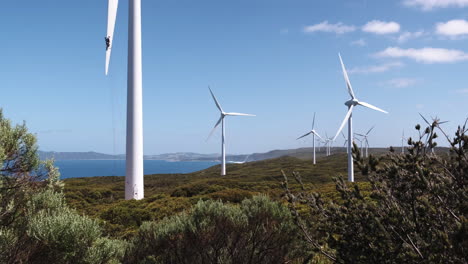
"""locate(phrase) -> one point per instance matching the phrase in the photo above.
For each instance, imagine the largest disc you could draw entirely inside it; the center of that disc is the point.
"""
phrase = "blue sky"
(273, 58)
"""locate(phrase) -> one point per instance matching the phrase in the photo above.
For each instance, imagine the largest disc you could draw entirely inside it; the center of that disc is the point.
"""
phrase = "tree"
(416, 211)
(36, 225)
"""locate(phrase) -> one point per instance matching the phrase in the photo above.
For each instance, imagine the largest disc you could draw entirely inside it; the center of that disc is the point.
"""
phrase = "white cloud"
(453, 28)
(376, 68)
(405, 36)
(425, 55)
(432, 4)
(359, 42)
(401, 82)
(381, 27)
(338, 28)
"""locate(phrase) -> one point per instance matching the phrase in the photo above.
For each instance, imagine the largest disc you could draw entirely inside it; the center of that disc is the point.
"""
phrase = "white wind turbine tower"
(325, 143)
(319, 142)
(134, 188)
(221, 120)
(353, 102)
(328, 142)
(314, 133)
(366, 141)
(330, 145)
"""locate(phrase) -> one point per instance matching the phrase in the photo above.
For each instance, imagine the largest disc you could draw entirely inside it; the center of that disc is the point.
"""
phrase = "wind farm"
(96, 169)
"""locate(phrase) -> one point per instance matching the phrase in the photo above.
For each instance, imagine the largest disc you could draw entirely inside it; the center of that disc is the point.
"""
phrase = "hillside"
(302, 153)
(167, 194)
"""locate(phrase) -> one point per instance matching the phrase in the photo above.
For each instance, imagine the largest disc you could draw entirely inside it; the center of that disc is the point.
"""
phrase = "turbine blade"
(372, 107)
(214, 128)
(359, 134)
(313, 122)
(237, 114)
(216, 101)
(317, 134)
(304, 135)
(111, 17)
(425, 120)
(345, 74)
(370, 130)
(343, 135)
(344, 121)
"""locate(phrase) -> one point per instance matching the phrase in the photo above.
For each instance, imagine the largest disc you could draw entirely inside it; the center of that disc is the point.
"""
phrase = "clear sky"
(277, 59)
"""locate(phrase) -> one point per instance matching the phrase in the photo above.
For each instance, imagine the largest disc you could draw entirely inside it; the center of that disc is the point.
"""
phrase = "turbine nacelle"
(351, 102)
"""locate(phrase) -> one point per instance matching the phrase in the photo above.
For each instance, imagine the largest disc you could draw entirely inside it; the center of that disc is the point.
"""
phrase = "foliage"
(169, 194)
(416, 211)
(257, 231)
(36, 225)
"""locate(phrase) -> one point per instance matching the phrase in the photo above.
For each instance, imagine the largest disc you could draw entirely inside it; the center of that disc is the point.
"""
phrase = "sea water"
(90, 168)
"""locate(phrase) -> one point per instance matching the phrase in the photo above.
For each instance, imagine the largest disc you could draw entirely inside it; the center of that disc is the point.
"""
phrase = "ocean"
(90, 168)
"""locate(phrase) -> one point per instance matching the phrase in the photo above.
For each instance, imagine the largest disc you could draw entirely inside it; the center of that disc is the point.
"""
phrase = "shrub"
(257, 231)
(36, 226)
(416, 211)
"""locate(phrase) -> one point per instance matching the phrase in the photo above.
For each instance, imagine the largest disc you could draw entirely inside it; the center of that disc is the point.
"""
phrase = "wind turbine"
(221, 120)
(314, 133)
(134, 188)
(360, 144)
(325, 143)
(353, 102)
(345, 141)
(366, 141)
(330, 145)
(435, 123)
(319, 141)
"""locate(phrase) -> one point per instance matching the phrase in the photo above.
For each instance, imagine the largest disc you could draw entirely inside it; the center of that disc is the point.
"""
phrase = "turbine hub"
(352, 102)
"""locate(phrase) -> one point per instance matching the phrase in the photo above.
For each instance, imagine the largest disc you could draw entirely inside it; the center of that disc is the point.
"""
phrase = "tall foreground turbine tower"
(134, 150)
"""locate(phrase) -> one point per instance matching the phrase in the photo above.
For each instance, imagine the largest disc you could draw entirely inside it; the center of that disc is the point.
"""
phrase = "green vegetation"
(406, 209)
(257, 231)
(36, 225)
(168, 194)
(416, 211)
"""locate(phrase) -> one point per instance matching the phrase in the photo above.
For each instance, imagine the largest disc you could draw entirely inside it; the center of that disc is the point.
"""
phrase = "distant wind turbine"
(345, 142)
(319, 141)
(134, 149)
(353, 102)
(328, 144)
(221, 120)
(366, 140)
(314, 133)
(435, 123)
(360, 144)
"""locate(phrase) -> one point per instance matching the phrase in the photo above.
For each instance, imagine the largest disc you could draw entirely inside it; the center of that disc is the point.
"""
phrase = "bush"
(416, 211)
(257, 231)
(36, 226)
